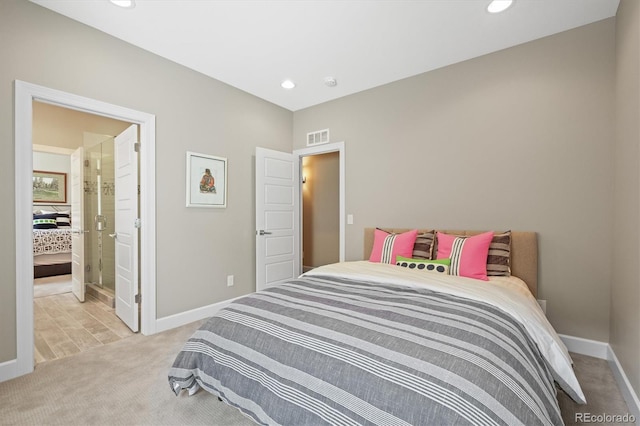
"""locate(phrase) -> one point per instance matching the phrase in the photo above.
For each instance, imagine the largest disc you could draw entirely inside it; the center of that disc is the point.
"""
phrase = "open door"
(77, 223)
(126, 227)
(277, 217)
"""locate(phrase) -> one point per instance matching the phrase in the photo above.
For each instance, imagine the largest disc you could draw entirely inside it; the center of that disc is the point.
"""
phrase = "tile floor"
(48, 286)
(63, 326)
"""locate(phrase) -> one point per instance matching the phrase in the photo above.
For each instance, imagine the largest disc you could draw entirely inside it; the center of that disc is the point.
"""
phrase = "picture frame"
(206, 180)
(49, 187)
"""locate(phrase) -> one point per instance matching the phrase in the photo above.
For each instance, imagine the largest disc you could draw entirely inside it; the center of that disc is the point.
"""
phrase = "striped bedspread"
(327, 350)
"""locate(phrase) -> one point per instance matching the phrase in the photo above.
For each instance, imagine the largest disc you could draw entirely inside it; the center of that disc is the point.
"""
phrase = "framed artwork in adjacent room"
(49, 187)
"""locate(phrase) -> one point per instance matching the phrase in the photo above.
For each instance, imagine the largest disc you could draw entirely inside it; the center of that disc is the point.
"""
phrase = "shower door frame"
(98, 268)
(25, 95)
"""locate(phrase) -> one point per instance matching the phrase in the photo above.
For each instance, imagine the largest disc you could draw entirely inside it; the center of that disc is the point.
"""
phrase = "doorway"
(278, 211)
(25, 95)
(335, 192)
(74, 299)
(320, 210)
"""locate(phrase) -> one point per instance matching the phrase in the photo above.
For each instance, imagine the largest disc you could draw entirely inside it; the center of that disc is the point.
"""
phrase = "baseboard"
(177, 320)
(8, 370)
(604, 351)
(633, 403)
(586, 347)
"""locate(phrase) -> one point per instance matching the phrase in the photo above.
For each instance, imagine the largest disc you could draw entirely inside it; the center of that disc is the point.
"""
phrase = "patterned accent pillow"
(423, 247)
(468, 254)
(440, 266)
(499, 258)
(63, 220)
(44, 221)
(387, 246)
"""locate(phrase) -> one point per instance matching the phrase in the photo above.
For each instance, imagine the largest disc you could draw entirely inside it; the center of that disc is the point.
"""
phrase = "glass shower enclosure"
(99, 211)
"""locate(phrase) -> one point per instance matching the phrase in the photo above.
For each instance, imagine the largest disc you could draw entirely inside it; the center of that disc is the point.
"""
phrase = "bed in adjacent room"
(434, 328)
(51, 241)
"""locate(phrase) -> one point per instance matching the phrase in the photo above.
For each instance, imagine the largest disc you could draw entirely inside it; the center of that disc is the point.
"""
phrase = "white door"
(126, 226)
(277, 217)
(77, 223)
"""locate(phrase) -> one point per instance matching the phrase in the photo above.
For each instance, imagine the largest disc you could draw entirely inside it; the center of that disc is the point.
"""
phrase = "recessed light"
(288, 84)
(497, 6)
(127, 4)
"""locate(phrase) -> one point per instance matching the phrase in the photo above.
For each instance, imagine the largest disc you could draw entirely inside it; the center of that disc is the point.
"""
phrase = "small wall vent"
(318, 137)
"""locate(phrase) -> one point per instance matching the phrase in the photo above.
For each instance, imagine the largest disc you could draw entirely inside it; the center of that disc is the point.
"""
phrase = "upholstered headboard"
(524, 252)
(37, 208)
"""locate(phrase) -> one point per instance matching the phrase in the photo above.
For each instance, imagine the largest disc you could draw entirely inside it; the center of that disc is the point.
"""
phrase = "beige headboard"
(524, 252)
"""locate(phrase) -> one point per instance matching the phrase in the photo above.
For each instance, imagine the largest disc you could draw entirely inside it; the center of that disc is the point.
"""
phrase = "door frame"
(25, 94)
(316, 150)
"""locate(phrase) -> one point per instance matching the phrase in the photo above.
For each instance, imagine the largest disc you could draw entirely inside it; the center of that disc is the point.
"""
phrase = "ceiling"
(254, 45)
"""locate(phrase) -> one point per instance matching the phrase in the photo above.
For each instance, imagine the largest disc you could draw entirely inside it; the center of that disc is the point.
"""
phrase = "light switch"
(349, 219)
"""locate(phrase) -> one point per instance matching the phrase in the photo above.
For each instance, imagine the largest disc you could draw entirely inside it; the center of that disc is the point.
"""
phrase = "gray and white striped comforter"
(324, 350)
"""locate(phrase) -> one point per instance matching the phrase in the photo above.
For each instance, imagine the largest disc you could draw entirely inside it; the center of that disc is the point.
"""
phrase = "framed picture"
(49, 187)
(206, 180)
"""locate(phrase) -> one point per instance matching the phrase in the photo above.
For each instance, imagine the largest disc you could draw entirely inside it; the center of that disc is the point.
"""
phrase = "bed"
(376, 342)
(51, 241)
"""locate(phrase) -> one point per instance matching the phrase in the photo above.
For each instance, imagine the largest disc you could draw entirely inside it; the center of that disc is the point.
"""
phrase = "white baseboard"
(604, 351)
(8, 370)
(633, 403)
(586, 347)
(177, 320)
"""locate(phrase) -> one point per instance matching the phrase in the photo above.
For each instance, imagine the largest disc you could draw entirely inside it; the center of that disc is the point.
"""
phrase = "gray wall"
(520, 139)
(625, 285)
(196, 248)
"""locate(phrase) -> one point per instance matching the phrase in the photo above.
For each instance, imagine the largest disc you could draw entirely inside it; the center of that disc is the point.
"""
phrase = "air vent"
(318, 137)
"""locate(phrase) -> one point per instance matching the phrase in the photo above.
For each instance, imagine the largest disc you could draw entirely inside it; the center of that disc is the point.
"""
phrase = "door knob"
(263, 232)
(114, 236)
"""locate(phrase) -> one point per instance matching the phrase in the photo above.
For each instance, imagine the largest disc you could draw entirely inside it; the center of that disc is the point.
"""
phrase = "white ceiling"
(255, 44)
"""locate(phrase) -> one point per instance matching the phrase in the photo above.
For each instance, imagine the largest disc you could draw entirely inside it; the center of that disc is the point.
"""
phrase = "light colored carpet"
(125, 383)
(122, 383)
(600, 389)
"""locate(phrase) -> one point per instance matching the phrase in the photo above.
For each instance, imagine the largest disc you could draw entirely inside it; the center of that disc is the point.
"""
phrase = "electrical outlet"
(229, 280)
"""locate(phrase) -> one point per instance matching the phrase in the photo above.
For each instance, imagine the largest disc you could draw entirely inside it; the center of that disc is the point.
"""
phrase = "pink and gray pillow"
(386, 246)
(468, 254)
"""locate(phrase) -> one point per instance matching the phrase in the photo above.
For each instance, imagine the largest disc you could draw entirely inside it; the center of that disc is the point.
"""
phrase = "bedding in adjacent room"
(51, 241)
(52, 238)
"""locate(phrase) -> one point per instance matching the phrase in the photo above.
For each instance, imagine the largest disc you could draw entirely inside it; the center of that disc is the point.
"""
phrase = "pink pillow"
(468, 254)
(387, 246)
